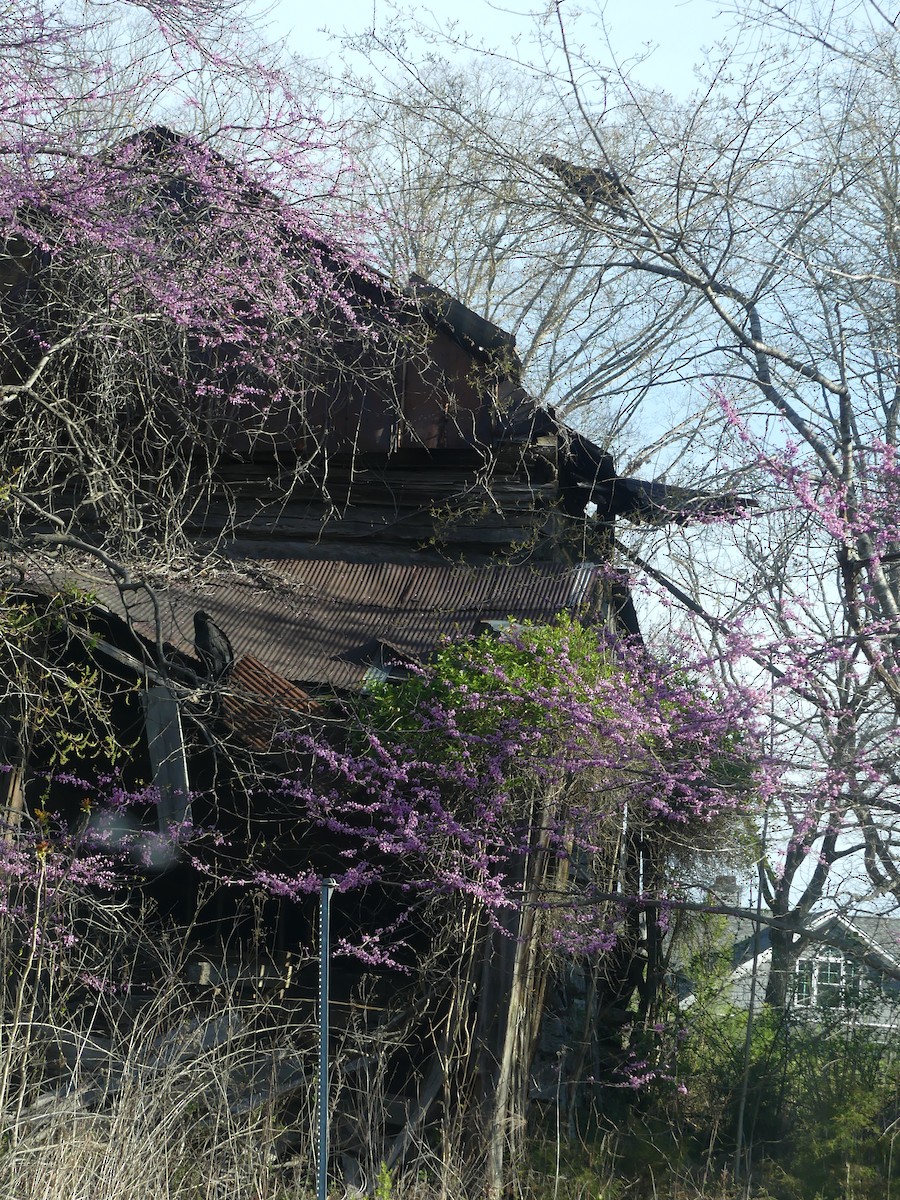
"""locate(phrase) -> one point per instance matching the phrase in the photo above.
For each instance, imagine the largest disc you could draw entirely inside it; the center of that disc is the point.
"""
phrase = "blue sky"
(676, 30)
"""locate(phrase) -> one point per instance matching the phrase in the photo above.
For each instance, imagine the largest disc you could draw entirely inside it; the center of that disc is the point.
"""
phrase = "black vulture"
(213, 647)
(592, 185)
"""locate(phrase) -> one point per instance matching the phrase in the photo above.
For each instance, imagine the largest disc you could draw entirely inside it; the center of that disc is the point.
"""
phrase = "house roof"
(872, 939)
(875, 936)
(336, 624)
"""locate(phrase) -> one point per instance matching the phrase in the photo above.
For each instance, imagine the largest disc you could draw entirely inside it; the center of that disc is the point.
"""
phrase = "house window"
(803, 988)
(826, 982)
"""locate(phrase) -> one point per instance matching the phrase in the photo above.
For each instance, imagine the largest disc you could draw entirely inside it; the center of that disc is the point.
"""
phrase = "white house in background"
(847, 965)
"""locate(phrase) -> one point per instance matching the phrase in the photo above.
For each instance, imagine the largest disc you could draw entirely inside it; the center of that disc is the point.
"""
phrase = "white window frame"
(811, 967)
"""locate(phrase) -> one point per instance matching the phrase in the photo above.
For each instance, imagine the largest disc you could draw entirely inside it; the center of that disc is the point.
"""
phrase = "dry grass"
(191, 1102)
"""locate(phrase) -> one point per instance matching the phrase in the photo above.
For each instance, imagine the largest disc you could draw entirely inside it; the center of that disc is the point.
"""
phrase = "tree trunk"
(779, 985)
(527, 990)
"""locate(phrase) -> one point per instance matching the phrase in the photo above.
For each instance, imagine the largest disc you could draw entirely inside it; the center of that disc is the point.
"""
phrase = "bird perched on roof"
(213, 647)
(592, 185)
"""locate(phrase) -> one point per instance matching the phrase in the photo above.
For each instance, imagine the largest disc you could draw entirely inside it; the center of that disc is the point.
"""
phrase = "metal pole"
(324, 965)
(739, 1151)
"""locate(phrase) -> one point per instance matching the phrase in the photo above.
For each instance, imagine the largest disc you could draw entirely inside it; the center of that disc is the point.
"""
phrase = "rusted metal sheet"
(258, 704)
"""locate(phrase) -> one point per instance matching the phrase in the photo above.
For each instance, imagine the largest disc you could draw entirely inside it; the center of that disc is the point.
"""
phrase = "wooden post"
(17, 748)
(165, 743)
(526, 1002)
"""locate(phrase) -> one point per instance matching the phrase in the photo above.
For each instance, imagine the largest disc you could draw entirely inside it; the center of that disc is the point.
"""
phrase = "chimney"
(725, 890)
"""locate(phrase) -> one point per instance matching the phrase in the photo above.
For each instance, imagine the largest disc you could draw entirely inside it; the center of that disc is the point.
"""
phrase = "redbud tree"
(451, 768)
(166, 296)
(550, 788)
(740, 300)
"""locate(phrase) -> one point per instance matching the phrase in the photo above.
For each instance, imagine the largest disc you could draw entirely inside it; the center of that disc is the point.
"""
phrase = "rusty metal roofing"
(258, 704)
(328, 623)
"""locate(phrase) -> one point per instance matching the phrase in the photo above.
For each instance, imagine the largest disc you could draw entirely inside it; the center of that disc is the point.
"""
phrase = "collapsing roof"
(341, 624)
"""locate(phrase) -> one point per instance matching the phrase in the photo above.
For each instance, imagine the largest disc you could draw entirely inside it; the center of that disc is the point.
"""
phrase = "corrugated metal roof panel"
(251, 677)
(258, 704)
(311, 620)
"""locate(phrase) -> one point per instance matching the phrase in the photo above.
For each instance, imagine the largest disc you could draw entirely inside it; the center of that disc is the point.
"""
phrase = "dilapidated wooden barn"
(395, 498)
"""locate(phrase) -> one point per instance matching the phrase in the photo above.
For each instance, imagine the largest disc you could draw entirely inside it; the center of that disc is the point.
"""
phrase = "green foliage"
(821, 1097)
(62, 704)
(570, 1169)
(706, 949)
(518, 671)
(384, 1183)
